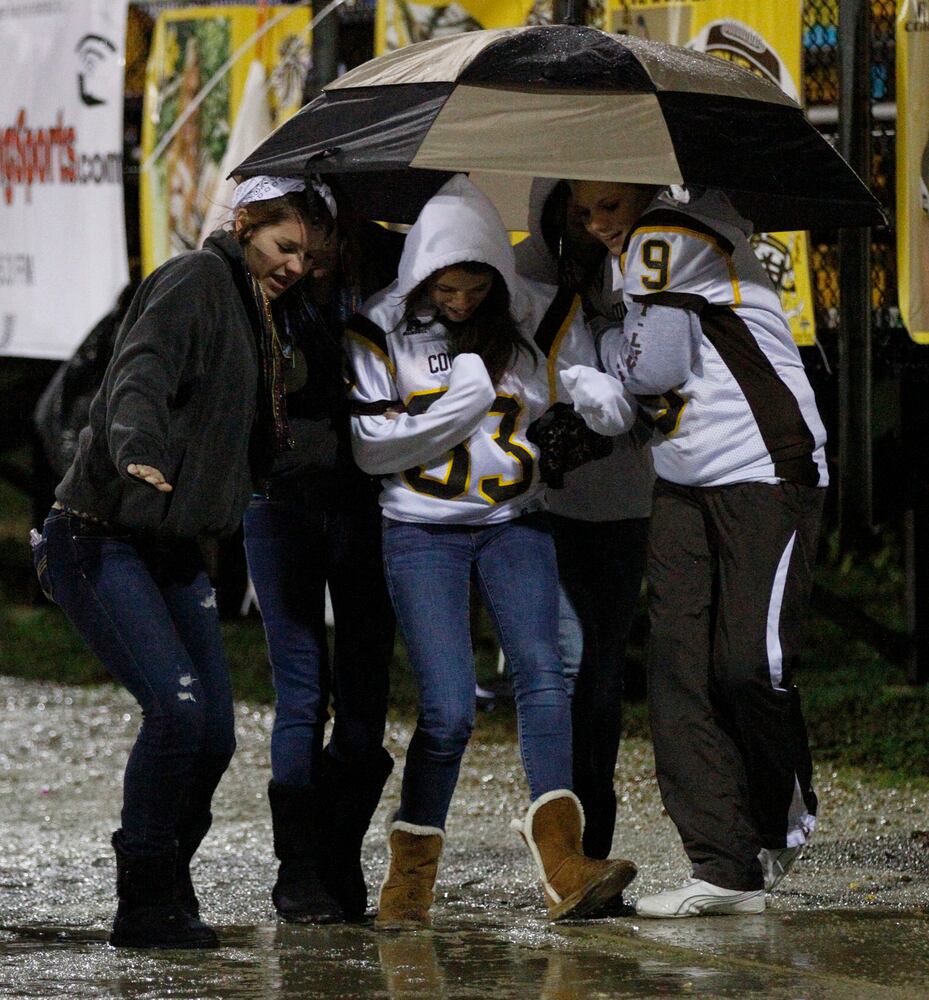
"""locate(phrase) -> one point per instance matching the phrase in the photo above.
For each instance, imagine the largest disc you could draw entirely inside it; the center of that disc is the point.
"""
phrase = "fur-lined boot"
(409, 889)
(574, 884)
(299, 895)
(148, 916)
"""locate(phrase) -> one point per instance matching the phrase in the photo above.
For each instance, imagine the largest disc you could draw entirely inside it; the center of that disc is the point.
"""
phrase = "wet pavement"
(851, 921)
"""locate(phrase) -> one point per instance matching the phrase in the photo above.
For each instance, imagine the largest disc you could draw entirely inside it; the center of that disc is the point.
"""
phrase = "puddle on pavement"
(850, 923)
(838, 955)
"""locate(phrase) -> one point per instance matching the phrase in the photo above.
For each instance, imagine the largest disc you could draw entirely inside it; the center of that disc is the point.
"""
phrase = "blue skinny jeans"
(429, 568)
(293, 552)
(147, 609)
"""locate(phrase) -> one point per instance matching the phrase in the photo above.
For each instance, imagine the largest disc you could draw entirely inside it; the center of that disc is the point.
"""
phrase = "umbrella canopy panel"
(596, 127)
(563, 101)
(561, 56)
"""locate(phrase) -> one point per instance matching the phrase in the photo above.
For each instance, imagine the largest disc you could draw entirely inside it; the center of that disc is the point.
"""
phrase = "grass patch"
(859, 708)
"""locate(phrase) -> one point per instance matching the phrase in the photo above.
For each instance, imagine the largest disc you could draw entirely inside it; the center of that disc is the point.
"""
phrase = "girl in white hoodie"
(451, 364)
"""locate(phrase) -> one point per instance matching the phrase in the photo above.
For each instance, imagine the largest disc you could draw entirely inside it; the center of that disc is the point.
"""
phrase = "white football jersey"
(746, 412)
(491, 475)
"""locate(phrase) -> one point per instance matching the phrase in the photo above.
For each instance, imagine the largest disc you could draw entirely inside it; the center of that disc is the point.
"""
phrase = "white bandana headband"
(264, 188)
(325, 192)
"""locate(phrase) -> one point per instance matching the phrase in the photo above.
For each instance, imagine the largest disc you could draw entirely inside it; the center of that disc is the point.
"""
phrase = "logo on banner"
(921, 21)
(49, 154)
(96, 57)
(738, 43)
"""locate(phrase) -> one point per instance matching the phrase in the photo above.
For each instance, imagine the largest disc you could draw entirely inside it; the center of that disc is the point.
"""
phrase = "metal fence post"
(855, 486)
(325, 66)
(570, 12)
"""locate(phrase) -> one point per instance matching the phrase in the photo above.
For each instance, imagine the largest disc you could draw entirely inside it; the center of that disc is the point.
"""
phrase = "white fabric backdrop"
(62, 229)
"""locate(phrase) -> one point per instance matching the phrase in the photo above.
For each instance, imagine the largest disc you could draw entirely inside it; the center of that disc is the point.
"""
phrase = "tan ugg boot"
(573, 883)
(407, 892)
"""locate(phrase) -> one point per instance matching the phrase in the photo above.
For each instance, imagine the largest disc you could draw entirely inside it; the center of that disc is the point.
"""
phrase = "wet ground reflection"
(833, 955)
(850, 922)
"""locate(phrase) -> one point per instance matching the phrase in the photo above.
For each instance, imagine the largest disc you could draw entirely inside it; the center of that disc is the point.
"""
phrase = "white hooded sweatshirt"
(457, 451)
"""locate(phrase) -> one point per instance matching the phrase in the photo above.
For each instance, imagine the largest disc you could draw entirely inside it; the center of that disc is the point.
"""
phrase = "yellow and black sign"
(402, 22)
(208, 67)
(913, 166)
(763, 38)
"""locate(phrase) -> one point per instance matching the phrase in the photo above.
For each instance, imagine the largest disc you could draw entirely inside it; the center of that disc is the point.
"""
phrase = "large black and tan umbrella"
(564, 101)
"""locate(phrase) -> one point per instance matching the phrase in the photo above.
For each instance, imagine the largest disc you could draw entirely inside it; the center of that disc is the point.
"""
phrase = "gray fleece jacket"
(179, 394)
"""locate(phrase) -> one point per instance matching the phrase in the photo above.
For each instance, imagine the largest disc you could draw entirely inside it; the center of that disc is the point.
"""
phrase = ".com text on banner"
(63, 244)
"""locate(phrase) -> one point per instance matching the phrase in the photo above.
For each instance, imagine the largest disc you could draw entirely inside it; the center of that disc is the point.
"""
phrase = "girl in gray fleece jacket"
(186, 418)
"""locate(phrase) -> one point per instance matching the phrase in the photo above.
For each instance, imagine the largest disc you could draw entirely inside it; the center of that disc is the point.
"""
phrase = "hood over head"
(459, 223)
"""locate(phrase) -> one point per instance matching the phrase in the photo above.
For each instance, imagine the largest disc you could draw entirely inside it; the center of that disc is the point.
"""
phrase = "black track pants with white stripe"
(729, 576)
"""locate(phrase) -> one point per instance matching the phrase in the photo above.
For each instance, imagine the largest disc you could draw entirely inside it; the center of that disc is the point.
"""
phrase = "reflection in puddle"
(294, 962)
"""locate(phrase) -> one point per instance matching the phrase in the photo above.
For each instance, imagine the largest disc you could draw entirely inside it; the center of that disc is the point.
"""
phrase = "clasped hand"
(151, 475)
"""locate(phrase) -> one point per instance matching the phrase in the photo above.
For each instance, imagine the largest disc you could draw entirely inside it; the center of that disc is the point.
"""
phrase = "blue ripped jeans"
(429, 569)
(294, 550)
(148, 611)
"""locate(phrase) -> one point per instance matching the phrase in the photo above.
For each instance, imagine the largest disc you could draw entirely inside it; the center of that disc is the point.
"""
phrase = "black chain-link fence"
(899, 366)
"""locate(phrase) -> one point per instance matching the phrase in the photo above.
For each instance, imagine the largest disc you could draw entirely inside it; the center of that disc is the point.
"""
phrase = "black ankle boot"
(187, 843)
(148, 915)
(299, 894)
(350, 793)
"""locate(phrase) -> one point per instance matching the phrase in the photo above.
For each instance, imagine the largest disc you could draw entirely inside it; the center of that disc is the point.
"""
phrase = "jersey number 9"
(656, 256)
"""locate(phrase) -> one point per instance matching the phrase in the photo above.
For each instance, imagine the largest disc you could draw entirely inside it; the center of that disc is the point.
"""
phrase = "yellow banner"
(766, 39)
(401, 22)
(201, 60)
(913, 166)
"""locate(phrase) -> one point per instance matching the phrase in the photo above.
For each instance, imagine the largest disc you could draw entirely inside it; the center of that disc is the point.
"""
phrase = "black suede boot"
(187, 843)
(350, 793)
(148, 915)
(194, 821)
(299, 895)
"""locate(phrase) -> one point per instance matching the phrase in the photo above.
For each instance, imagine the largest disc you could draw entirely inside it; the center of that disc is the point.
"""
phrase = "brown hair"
(490, 331)
(256, 214)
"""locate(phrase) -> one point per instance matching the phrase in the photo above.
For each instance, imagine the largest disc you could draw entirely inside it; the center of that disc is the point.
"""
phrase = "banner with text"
(913, 166)
(63, 249)
(763, 38)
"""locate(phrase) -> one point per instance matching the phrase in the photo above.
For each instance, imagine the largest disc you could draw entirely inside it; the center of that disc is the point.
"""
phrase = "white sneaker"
(777, 863)
(696, 898)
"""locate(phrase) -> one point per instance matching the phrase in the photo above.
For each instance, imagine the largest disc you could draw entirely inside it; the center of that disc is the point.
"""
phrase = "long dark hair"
(578, 255)
(490, 331)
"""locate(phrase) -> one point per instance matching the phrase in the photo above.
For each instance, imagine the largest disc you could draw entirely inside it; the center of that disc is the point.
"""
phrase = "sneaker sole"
(595, 894)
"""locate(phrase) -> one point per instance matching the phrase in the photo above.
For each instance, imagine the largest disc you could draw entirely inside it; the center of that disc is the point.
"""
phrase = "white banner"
(62, 229)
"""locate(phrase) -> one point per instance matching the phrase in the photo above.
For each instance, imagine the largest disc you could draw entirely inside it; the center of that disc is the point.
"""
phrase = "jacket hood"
(541, 188)
(458, 223)
(710, 204)
(533, 258)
